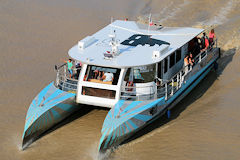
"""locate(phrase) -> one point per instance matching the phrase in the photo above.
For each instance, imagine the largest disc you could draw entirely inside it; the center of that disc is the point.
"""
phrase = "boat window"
(178, 55)
(103, 75)
(142, 74)
(127, 76)
(96, 92)
(172, 60)
(166, 65)
(159, 74)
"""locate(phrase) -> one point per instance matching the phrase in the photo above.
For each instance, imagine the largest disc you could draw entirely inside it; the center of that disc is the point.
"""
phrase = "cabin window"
(159, 74)
(103, 75)
(178, 55)
(96, 92)
(142, 74)
(172, 60)
(127, 75)
(166, 65)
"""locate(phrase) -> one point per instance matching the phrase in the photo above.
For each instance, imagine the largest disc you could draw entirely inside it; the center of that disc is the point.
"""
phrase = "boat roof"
(137, 43)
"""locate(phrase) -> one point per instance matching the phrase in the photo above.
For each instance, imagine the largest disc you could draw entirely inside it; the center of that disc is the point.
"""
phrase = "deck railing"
(63, 79)
(162, 87)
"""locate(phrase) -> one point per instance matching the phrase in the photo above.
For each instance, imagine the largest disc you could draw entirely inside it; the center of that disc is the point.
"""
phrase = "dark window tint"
(165, 64)
(178, 55)
(160, 70)
(172, 60)
(96, 92)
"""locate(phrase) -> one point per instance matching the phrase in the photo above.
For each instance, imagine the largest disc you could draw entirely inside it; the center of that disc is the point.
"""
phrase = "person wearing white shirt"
(108, 77)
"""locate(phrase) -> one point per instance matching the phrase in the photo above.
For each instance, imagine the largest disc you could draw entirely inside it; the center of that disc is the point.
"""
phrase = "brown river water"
(36, 34)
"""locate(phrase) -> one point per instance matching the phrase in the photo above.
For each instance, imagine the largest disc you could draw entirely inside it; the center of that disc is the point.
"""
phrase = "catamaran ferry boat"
(137, 71)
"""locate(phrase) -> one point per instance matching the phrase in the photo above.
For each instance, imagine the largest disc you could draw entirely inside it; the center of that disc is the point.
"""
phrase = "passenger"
(186, 64)
(196, 48)
(95, 75)
(99, 77)
(108, 77)
(211, 37)
(69, 67)
(204, 42)
(137, 76)
(78, 66)
(191, 60)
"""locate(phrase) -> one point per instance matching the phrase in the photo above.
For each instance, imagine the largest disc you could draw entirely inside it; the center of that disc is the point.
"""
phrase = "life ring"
(129, 84)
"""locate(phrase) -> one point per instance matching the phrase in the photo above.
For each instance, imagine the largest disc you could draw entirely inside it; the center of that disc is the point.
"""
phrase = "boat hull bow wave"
(49, 107)
(125, 119)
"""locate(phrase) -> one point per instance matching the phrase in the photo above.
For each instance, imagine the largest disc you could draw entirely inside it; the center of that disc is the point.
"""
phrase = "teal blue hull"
(128, 117)
(48, 108)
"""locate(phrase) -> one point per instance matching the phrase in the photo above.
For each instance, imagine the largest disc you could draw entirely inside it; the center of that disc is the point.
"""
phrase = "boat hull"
(48, 108)
(126, 118)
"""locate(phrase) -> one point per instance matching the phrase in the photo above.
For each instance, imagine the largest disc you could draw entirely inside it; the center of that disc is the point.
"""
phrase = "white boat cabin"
(129, 61)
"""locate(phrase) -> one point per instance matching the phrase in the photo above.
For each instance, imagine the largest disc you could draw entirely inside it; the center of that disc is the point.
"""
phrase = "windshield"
(103, 75)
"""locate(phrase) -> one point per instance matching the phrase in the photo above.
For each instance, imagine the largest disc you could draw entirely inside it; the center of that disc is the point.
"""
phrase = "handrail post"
(166, 92)
(155, 90)
(57, 78)
(180, 79)
(177, 80)
(65, 73)
(172, 87)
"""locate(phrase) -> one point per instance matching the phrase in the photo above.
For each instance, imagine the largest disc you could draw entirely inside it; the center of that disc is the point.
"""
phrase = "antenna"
(150, 22)
(114, 44)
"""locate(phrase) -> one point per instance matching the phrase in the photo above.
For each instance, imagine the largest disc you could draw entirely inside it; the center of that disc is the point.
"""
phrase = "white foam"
(94, 154)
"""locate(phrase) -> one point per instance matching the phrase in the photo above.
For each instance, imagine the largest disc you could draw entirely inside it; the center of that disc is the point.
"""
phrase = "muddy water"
(35, 35)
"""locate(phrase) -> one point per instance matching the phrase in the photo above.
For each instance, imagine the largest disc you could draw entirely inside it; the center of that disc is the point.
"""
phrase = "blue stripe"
(55, 94)
(55, 114)
(113, 137)
(43, 93)
(140, 109)
(124, 129)
(118, 106)
(142, 117)
(103, 137)
(59, 100)
(65, 107)
(130, 106)
(132, 124)
(49, 116)
(108, 138)
(118, 131)
(129, 129)
(121, 131)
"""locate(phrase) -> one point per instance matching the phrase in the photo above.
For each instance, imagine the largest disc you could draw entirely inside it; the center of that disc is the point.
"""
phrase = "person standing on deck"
(108, 77)
(211, 37)
(186, 64)
(205, 42)
(191, 60)
(69, 67)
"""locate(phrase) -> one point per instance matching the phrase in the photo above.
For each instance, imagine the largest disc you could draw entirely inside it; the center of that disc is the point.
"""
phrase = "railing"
(162, 87)
(64, 81)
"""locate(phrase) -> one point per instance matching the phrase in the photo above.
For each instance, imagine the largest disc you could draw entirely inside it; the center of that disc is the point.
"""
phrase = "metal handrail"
(178, 78)
(63, 81)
